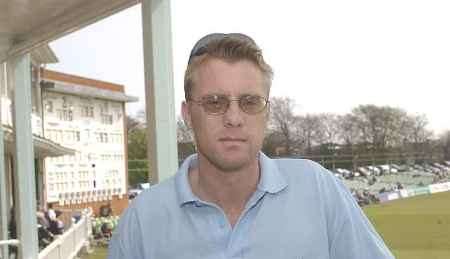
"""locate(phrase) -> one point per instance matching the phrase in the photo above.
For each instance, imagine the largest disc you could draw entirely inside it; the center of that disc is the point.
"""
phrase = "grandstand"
(365, 186)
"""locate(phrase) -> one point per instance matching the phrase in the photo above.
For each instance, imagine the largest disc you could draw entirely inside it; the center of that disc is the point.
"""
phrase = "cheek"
(204, 128)
(259, 128)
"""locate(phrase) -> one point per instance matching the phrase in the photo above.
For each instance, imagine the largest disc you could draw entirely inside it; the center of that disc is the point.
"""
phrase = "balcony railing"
(69, 244)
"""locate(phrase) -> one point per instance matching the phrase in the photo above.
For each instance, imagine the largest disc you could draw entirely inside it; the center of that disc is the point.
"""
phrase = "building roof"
(28, 24)
(78, 80)
(82, 86)
(44, 55)
(43, 147)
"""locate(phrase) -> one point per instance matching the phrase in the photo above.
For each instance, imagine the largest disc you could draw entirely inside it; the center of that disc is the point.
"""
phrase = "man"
(230, 200)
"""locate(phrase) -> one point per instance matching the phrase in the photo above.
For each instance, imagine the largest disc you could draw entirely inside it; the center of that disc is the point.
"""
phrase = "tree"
(282, 126)
(415, 131)
(137, 144)
(379, 126)
(348, 130)
(310, 131)
(135, 122)
(137, 149)
(328, 128)
(185, 140)
(184, 133)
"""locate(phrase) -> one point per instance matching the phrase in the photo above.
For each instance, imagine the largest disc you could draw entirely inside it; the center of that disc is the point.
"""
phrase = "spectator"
(51, 214)
(105, 210)
(56, 225)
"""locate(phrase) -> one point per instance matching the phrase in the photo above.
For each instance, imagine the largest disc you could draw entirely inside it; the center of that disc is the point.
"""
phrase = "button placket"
(237, 236)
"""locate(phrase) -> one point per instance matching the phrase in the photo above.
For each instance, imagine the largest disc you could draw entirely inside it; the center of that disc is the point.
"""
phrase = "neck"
(229, 190)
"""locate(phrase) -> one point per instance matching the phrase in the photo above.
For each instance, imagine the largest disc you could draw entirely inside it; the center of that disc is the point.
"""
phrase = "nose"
(233, 117)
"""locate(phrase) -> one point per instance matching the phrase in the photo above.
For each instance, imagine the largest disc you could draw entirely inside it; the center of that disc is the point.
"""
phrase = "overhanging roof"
(44, 55)
(42, 147)
(28, 24)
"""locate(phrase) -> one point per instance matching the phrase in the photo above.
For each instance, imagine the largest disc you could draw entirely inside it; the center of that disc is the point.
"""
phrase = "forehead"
(231, 78)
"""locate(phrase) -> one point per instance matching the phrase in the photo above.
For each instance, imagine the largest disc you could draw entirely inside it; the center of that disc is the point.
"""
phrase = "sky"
(329, 56)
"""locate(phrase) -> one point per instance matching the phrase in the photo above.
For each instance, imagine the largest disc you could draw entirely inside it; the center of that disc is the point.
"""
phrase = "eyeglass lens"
(219, 104)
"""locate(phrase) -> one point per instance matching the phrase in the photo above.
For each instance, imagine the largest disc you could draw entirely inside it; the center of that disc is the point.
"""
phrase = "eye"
(250, 100)
(215, 103)
(252, 103)
(212, 100)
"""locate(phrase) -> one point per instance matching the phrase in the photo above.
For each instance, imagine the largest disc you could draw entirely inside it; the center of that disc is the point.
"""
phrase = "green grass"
(415, 228)
(99, 253)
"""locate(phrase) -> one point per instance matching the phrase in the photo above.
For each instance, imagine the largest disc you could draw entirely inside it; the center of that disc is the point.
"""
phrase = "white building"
(42, 147)
(39, 25)
(87, 116)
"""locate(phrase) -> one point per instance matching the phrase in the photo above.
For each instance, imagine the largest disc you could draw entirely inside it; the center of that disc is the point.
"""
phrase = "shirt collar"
(271, 179)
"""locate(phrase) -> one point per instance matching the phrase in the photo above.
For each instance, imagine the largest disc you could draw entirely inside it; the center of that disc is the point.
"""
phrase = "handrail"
(70, 242)
(13, 242)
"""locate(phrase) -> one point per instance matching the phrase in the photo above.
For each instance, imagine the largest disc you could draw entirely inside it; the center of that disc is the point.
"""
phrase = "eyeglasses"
(201, 45)
(216, 104)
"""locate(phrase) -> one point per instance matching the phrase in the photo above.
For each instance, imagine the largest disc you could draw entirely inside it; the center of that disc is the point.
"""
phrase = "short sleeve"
(126, 241)
(356, 237)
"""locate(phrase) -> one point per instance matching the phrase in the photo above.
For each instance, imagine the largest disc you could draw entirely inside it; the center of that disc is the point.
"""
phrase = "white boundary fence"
(70, 242)
(404, 193)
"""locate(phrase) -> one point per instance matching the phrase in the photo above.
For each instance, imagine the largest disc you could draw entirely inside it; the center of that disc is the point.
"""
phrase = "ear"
(186, 113)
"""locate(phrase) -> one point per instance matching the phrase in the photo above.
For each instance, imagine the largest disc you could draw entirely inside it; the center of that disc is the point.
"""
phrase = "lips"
(232, 139)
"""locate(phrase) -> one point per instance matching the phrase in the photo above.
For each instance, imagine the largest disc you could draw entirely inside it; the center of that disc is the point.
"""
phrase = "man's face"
(230, 141)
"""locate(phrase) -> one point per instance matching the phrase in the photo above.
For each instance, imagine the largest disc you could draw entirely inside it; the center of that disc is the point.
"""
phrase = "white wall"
(97, 171)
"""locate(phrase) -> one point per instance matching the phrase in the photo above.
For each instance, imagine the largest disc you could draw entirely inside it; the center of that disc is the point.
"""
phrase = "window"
(87, 111)
(49, 106)
(104, 107)
(107, 119)
(64, 114)
(101, 137)
(106, 116)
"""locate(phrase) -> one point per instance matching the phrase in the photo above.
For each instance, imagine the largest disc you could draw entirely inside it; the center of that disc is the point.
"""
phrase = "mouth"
(232, 139)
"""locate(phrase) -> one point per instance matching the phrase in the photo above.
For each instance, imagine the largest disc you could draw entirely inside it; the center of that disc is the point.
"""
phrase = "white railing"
(70, 242)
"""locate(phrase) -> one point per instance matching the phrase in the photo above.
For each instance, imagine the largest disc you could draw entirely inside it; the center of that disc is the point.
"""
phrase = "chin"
(233, 163)
(231, 166)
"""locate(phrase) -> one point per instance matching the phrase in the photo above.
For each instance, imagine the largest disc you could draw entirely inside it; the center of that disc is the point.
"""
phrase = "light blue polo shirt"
(299, 211)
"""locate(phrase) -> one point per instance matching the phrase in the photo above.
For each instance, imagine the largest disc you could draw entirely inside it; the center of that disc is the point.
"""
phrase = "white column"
(3, 200)
(159, 92)
(24, 170)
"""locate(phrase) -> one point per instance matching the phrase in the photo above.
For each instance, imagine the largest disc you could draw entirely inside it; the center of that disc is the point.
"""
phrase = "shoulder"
(307, 171)
(157, 199)
(145, 214)
(150, 207)
(306, 176)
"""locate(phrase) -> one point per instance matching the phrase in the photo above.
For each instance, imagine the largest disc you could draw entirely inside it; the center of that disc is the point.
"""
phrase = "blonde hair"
(229, 49)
